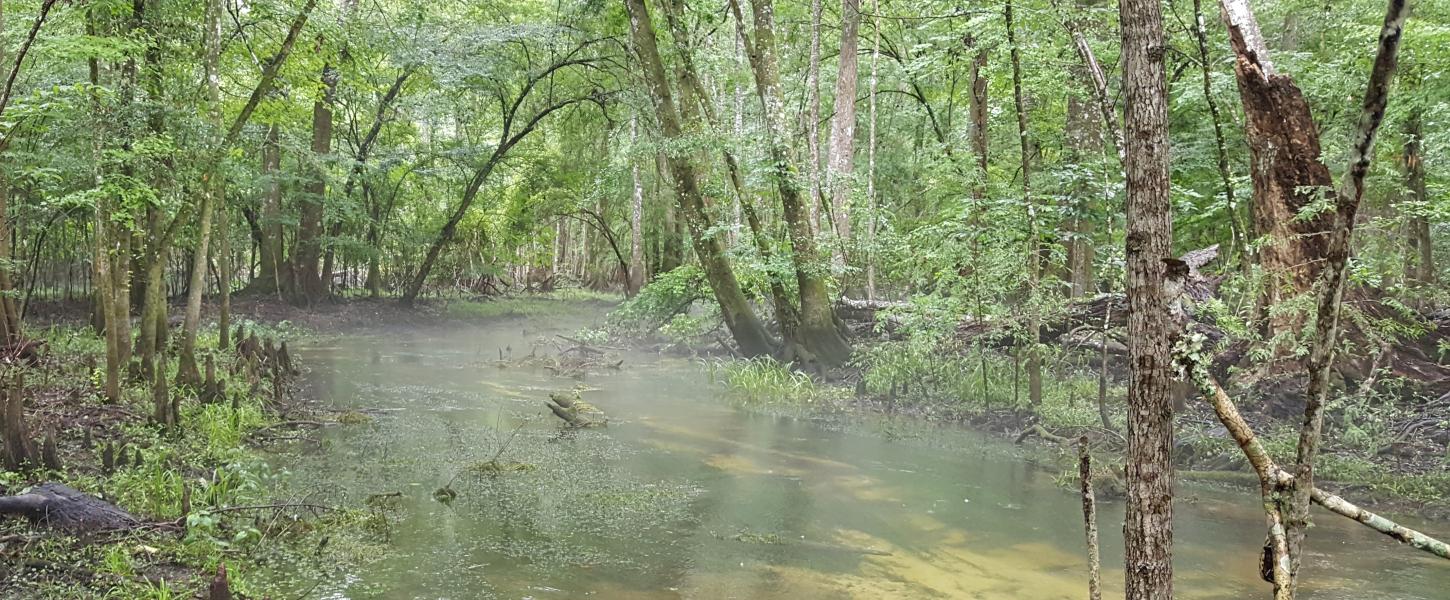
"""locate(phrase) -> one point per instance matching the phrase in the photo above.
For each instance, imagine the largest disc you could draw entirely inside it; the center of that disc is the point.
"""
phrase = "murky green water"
(683, 496)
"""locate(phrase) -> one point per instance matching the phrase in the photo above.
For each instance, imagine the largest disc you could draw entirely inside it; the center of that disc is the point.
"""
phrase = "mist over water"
(685, 496)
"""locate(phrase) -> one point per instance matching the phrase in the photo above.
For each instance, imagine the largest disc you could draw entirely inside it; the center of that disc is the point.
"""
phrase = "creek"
(686, 495)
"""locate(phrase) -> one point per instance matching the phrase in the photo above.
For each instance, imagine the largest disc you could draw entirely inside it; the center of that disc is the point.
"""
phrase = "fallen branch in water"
(1042, 432)
(1275, 481)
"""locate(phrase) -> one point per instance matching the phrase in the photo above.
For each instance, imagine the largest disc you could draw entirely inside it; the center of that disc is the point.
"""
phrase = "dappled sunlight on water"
(685, 496)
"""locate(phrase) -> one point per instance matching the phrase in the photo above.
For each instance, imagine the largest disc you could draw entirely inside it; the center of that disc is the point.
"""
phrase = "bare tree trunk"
(842, 151)
(1148, 531)
(1089, 517)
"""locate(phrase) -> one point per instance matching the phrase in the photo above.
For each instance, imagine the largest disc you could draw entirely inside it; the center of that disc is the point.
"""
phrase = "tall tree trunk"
(813, 118)
(1083, 137)
(225, 273)
(819, 338)
(696, 104)
(978, 109)
(211, 188)
(1419, 254)
(1148, 530)
(871, 154)
(112, 314)
(744, 326)
(842, 152)
(311, 284)
(1034, 231)
(1286, 170)
(186, 371)
(9, 311)
(274, 270)
(9, 316)
(1330, 290)
(636, 217)
(153, 253)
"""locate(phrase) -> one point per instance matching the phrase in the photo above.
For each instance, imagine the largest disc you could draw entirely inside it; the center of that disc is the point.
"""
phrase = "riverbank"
(191, 496)
(1370, 462)
(202, 492)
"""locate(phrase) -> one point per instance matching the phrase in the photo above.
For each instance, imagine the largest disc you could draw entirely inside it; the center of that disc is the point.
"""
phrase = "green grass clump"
(768, 381)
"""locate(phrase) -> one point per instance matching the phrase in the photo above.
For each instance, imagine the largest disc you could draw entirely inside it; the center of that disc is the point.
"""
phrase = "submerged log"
(63, 507)
(574, 411)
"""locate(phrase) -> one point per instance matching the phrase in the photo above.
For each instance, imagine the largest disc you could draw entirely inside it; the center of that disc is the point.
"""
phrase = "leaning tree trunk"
(1148, 530)
(1330, 288)
(819, 339)
(696, 107)
(749, 333)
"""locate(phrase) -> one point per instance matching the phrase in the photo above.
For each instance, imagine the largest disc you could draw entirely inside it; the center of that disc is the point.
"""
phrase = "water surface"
(687, 496)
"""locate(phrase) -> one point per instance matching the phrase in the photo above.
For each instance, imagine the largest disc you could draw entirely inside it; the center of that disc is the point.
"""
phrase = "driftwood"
(63, 507)
(575, 412)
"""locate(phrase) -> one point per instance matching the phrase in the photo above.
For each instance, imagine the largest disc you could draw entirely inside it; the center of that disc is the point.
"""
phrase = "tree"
(818, 339)
(744, 326)
(842, 152)
(1289, 178)
(520, 119)
(1148, 530)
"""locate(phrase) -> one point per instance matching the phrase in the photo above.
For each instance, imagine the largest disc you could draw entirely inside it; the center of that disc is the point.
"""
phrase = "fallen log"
(575, 412)
(63, 507)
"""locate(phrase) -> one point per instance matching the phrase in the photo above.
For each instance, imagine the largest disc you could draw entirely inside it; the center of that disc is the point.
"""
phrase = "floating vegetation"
(353, 417)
